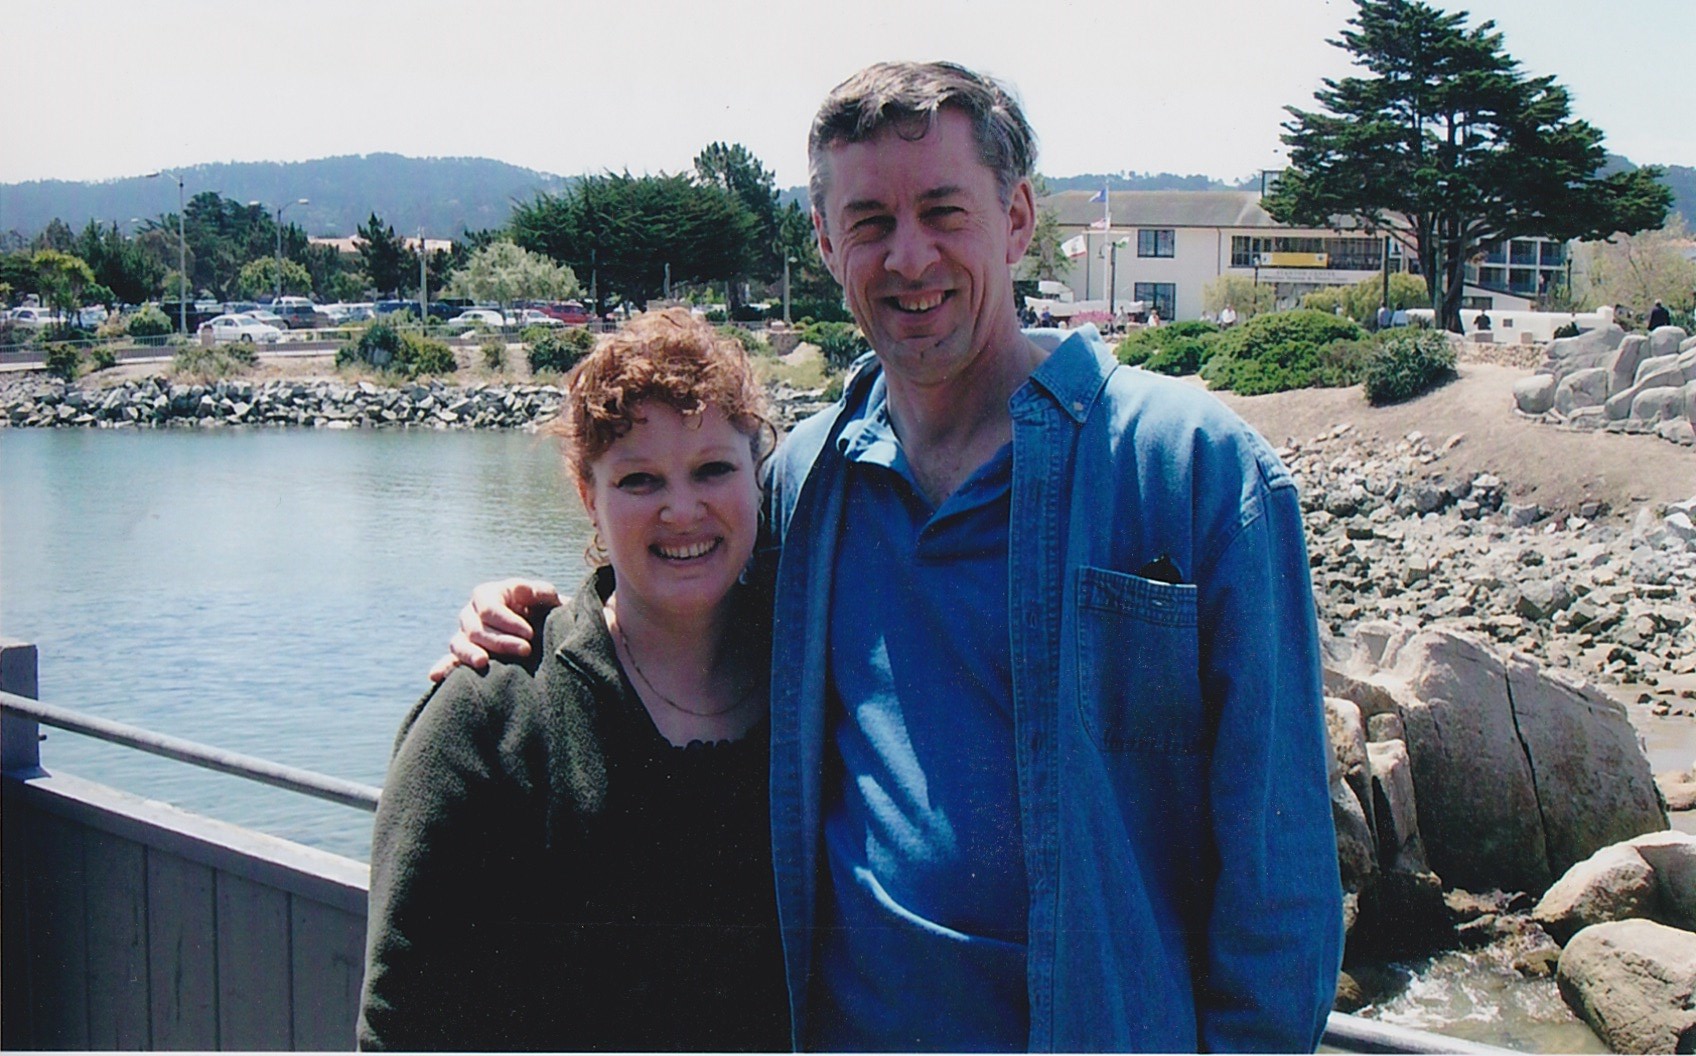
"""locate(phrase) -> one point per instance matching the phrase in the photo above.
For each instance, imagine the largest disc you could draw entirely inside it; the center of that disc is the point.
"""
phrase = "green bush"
(377, 346)
(493, 352)
(1343, 363)
(200, 363)
(716, 315)
(1180, 348)
(103, 357)
(841, 343)
(1276, 352)
(559, 350)
(1407, 364)
(148, 321)
(1568, 330)
(823, 309)
(751, 343)
(63, 361)
(424, 355)
(383, 347)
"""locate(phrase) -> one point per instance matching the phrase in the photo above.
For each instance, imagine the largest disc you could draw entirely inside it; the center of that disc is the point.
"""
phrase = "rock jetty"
(1608, 379)
(158, 402)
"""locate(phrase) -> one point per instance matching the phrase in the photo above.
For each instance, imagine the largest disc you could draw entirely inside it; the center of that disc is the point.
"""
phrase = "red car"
(569, 312)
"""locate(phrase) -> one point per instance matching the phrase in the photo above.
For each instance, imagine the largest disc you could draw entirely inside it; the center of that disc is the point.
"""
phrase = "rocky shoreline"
(157, 402)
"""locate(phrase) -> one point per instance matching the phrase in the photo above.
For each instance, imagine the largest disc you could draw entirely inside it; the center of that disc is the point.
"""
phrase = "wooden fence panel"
(253, 965)
(58, 934)
(116, 870)
(329, 965)
(182, 967)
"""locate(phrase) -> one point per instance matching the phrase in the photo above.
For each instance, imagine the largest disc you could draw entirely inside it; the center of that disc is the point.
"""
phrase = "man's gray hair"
(908, 96)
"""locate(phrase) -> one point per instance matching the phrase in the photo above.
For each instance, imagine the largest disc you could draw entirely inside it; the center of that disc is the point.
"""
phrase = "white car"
(476, 316)
(240, 328)
(36, 317)
(531, 317)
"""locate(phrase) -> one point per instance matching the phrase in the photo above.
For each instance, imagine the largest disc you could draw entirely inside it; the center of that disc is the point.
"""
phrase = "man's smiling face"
(916, 232)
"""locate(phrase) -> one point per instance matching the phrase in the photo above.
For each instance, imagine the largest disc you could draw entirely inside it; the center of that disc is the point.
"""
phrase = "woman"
(572, 852)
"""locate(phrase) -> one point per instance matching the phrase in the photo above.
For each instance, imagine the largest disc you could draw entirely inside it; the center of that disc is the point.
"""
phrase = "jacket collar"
(1072, 377)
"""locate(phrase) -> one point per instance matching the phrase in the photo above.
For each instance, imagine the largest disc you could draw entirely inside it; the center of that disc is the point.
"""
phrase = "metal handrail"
(319, 786)
(1347, 1033)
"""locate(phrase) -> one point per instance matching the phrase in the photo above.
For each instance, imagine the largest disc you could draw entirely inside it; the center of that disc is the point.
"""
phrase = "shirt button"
(1078, 405)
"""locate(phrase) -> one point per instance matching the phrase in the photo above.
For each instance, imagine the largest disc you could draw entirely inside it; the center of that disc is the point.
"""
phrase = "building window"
(1342, 254)
(1161, 297)
(1157, 242)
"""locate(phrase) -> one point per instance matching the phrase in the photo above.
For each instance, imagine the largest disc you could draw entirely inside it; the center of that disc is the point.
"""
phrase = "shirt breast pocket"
(1138, 659)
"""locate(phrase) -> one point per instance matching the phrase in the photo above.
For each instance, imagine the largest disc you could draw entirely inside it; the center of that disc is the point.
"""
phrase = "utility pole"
(277, 295)
(182, 254)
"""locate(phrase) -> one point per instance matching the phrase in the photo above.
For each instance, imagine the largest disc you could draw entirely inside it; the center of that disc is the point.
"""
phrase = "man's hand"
(496, 622)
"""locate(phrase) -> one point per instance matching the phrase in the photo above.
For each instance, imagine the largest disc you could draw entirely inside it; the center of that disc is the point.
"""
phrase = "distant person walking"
(1659, 316)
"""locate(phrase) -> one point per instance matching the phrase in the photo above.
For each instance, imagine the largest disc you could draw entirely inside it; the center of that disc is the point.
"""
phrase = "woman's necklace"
(747, 694)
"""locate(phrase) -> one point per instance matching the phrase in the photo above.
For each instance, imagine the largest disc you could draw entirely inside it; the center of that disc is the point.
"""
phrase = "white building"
(1165, 247)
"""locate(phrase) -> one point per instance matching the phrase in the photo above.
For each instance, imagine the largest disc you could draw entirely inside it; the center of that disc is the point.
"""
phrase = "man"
(1048, 758)
(1659, 316)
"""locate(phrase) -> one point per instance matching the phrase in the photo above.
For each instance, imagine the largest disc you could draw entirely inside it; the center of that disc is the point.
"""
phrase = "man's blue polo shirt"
(923, 937)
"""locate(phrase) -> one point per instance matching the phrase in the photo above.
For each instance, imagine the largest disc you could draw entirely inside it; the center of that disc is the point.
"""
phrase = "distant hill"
(447, 195)
(443, 195)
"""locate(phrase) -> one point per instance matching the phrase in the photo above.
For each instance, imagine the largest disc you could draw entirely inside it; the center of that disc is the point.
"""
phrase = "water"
(275, 592)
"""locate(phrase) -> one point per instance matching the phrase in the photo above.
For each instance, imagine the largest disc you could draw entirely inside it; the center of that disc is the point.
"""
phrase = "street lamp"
(278, 295)
(182, 254)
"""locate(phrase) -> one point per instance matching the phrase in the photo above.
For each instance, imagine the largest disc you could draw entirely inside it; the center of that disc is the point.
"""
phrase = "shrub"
(716, 315)
(823, 309)
(424, 355)
(1569, 330)
(1407, 364)
(63, 360)
(559, 350)
(149, 321)
(377, 346)
(751, 343)
(1180, 348)
(841, 343)
(206, 364)
(103, 357)
(1272, 353)
(1343, 363)
(494, 353)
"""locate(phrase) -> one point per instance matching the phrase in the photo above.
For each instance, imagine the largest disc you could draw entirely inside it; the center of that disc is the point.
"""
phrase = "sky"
(97, 89)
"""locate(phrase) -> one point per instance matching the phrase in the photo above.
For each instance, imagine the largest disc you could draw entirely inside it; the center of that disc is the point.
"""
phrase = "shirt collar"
(1073, 375)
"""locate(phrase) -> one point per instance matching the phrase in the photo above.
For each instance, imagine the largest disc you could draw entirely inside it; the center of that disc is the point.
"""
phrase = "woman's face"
(677, 506)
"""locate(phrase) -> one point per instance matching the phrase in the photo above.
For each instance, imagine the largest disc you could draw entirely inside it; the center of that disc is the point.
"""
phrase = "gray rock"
(1632, 982)
(1581, 389)
(1622, 366)
(1666, 340)
(1615, 883)
(1536, 394)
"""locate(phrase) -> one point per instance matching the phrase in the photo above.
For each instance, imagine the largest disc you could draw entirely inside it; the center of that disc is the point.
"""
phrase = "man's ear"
(827, 251)
(1021, 221)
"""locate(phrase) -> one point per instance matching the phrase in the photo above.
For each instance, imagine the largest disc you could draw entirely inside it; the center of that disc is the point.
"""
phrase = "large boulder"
(1633, 981)
(1652, 877)
(1594, 784)
(1615, 883)
(1622, 365)
(1536, 394)
(1661, 374)
(1587, 387)
(1589, 349)
(1664, 340)
(1517, 774)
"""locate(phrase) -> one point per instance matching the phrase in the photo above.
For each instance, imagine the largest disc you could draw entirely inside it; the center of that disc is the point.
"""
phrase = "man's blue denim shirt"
(1171, 752)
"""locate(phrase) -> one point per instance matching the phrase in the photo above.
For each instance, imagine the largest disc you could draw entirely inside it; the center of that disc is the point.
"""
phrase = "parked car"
(570, 313)
(299, 313)
(34, 318)
(522, 317)
(476, 316)
(266, 316)
(224, 328)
